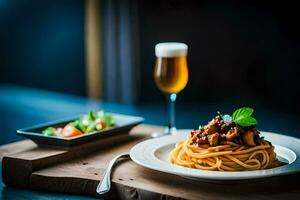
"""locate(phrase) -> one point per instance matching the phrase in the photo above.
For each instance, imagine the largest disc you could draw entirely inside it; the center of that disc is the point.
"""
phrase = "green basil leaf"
(242, 113)
(247, 121)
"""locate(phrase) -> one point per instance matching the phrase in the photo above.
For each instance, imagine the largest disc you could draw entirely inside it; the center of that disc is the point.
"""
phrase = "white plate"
(154, 154)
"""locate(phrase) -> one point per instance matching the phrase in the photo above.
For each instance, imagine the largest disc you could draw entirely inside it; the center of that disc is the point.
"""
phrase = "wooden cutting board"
(78, 171)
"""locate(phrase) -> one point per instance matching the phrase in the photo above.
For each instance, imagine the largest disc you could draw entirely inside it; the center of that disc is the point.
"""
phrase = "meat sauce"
(217, 132)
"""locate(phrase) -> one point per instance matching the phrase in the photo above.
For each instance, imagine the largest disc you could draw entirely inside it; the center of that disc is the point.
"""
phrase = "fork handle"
(105, 183)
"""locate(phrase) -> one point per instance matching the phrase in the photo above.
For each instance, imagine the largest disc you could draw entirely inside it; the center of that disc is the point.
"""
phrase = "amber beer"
(171, 74)
(171, 70)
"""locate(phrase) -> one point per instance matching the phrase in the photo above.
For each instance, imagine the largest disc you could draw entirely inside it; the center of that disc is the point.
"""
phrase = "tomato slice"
(70, 131)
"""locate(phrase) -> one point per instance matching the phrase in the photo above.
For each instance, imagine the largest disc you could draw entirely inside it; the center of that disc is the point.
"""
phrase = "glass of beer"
(171, 75)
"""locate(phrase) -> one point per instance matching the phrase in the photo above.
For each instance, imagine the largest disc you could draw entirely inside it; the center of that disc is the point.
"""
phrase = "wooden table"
(78, 171)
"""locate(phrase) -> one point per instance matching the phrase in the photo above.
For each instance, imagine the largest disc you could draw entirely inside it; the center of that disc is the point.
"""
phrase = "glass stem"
(171, 102)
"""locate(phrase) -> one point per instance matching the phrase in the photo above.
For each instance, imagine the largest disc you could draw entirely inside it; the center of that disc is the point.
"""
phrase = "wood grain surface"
(79, 170)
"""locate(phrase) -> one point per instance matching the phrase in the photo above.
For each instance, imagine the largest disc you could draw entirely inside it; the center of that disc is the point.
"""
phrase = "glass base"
(167, 131)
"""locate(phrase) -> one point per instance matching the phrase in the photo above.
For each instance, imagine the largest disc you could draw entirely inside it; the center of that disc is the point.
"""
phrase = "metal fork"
(105, 183)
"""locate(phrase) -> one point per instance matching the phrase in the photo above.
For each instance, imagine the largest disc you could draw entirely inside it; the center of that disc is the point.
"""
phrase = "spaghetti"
(215, 151)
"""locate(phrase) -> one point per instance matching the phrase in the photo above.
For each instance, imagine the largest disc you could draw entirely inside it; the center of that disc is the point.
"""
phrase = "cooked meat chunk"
(233, 133)
(213, 139)
(248, 137)
(226, 126)
(195, 132)
(212, 127)
(200, 139)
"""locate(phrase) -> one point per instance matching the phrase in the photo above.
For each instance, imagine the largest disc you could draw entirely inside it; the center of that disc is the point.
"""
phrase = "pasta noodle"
(229, 156)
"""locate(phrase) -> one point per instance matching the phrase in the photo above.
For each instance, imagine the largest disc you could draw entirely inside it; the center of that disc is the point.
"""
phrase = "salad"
(93, 121)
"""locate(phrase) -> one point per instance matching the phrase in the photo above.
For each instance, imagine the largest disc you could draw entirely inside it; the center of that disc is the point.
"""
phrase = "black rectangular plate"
(123, 124)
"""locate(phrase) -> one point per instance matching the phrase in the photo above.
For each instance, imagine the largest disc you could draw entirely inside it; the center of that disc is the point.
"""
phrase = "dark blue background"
(42, 44)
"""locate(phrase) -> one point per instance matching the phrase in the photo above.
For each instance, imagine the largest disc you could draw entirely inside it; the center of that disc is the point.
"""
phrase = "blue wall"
(42, 44)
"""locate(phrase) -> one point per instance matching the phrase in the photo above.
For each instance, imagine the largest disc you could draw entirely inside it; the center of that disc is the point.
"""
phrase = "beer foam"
(170, 49)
